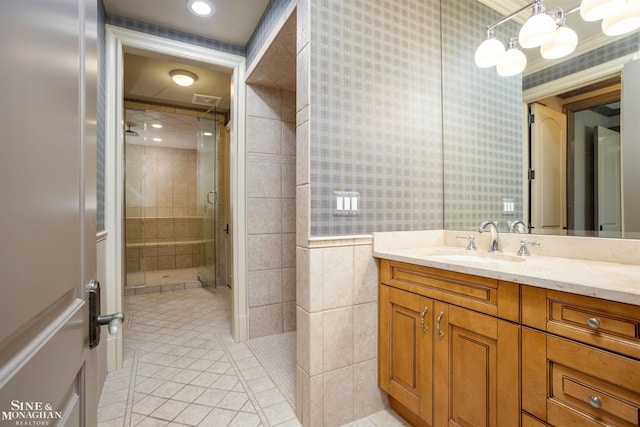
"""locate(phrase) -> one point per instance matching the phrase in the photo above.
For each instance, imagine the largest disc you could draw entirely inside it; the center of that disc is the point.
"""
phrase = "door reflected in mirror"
(583, 127)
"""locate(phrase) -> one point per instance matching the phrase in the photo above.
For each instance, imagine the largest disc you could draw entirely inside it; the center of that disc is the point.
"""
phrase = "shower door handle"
(215, 197)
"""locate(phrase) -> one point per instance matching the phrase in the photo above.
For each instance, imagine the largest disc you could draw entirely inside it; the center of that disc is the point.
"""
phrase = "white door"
(548, 164)
(47, 211)
(608, 179)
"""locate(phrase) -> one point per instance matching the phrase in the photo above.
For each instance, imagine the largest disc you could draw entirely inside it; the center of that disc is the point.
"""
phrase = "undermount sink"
(474, 257)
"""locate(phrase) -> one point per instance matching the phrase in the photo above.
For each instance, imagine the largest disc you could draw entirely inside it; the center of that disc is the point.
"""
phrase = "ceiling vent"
(208, 100)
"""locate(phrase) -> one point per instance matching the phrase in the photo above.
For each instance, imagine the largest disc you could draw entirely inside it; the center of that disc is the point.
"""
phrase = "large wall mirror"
(574, 171)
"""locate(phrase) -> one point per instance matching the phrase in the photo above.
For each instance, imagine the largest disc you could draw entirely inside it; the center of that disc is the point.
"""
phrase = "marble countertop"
(607, 280)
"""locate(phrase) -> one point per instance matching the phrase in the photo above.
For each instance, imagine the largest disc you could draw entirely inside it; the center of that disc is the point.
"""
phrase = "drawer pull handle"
(440, 334)
(593, 322)
(424, 328)
(595, 402)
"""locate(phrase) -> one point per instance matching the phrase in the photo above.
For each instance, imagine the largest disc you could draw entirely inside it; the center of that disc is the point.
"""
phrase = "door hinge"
(532, 119)
(532, 174)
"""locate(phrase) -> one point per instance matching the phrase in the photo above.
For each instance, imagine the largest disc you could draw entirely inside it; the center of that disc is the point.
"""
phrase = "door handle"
(424, 328)
(96, 320)
(440, 334)
(215, 197)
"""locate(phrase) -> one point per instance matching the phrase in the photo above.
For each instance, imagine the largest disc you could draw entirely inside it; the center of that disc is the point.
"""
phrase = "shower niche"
(172, 200)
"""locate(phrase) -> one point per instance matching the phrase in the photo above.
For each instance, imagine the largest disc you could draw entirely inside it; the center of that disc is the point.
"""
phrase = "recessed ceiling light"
(182, 77)
(156, 125)
(157, 139)
(208, 134)
(201, 7)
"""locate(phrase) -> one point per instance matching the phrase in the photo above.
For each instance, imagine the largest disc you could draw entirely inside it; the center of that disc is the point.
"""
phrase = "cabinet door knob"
(440, 334)
(593, 322)
(595, 402)
(424, 312)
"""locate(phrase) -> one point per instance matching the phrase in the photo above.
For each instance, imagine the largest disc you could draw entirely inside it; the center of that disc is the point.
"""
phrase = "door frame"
(116, 39)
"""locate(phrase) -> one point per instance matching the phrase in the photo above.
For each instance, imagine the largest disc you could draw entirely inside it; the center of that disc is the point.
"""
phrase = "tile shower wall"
(271, 210)
(162, 223)
(482, 122)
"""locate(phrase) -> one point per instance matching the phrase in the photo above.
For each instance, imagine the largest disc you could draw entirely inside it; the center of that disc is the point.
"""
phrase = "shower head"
(130, 132)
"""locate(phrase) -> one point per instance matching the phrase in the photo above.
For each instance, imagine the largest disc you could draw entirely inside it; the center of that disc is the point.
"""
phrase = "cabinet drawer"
(587, 384)
(482, 294)
(605, 324)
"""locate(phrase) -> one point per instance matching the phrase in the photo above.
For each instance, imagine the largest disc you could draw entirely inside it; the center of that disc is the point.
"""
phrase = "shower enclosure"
(170, 199)
(207, 199)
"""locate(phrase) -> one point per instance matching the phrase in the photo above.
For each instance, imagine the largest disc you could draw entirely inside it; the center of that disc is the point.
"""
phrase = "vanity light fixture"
(538, 29)
(202, 8)
(182, 77)
(624, 20)
(564, 40)
(490, 52)
(545, 29)
(513, 61)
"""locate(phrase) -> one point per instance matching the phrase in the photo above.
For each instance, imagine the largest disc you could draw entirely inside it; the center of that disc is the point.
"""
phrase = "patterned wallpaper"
(376, 114)
(482, 122)
(169, 33)
(625, 46)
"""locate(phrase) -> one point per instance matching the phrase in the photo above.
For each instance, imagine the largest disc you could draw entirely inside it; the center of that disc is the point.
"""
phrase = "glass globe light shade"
(539, 29)
(512, 63)
(623, 21)
(489, 53)
(562, 44)
(594, 10)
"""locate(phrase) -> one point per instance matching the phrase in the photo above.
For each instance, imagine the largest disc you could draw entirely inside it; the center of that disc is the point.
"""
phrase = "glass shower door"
(135, 192)
(207, 199)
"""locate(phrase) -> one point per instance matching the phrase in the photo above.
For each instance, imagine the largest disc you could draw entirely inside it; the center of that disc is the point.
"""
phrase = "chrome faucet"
(513, 226)
(495, 235)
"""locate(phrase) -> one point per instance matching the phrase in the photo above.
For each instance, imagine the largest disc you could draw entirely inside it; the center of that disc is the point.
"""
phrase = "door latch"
(96, 320)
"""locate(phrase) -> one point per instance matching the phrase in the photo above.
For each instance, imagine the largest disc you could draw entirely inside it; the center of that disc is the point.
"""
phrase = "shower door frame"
(116, 39)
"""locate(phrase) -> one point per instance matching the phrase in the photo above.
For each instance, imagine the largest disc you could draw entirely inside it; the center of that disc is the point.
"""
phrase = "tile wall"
(162, 224)
(271, 210)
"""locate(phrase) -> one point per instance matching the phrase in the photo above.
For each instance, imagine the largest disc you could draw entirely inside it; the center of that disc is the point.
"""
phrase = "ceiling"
(233, 22)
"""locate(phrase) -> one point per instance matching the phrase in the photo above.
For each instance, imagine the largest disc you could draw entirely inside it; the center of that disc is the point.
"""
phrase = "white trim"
(576, 80)
(116, 38)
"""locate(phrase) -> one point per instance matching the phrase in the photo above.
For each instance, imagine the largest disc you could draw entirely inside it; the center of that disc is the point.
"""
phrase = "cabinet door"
(476, 359)
(406, 350)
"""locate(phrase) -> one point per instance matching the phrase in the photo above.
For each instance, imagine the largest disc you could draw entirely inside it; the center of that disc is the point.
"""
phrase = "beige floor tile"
(218, 418)
(169, 410)
(193, 414)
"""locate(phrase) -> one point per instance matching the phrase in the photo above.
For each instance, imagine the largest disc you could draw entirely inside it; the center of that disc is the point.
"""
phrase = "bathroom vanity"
(476, 339)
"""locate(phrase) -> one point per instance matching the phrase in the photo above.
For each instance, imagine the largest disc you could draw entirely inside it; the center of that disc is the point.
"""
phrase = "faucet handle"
(472, 242)
(524, 251)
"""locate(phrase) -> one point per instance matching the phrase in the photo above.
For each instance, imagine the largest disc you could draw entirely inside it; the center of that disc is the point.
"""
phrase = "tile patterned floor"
(182, 368)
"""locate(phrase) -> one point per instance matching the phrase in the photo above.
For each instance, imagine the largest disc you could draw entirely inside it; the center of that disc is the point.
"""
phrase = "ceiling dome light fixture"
(490, 51)
(594, 10)
(539, 28)
(182, 77)
(202, 8)
(513, 62)
(623, 21)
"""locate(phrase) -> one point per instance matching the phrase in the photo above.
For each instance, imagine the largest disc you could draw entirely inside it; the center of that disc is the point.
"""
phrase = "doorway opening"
(118, 41)
(176, 198)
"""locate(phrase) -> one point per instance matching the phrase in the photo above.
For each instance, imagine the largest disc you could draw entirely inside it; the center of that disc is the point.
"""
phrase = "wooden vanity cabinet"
(580, 365)
(443, 360)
